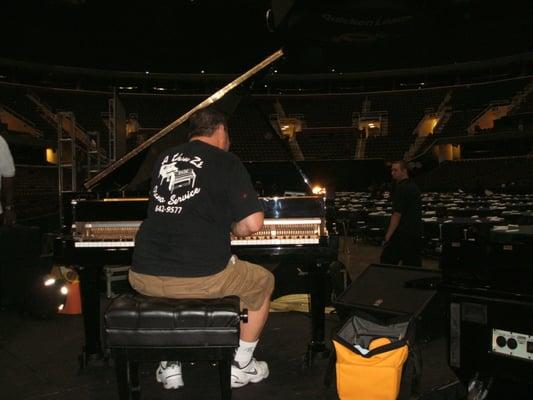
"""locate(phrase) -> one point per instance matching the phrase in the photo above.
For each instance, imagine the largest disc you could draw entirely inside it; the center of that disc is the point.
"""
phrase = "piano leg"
(90, 301)
(318, 289)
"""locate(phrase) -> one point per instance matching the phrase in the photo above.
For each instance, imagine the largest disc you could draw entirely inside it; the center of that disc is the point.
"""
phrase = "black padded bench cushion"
(133, 320)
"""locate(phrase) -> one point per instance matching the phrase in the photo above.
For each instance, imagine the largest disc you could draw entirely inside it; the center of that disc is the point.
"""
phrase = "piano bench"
(140, 328)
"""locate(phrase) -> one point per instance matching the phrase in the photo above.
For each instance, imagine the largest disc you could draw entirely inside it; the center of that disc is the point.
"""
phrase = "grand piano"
(100, 225)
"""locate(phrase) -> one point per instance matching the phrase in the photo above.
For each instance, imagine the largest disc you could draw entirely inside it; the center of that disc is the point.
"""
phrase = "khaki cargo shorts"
(251, 282)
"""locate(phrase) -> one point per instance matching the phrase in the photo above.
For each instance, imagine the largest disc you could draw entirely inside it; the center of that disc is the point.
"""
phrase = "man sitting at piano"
(199, 194)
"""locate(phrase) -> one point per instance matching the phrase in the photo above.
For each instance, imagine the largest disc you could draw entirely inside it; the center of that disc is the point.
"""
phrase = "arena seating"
(389, 148)
(252, 136)
(254, 139)
(466, 97)
(525, 107)
(35, 191)
(458, 123)
(405, 108)
(89, 108)
(470, 100)
(328, 144)
(14, 97)
(476, 174)
(157, 111)
(322, 110)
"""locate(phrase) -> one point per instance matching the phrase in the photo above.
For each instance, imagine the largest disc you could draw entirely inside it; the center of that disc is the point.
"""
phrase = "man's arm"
(249, 225)
(393, 225)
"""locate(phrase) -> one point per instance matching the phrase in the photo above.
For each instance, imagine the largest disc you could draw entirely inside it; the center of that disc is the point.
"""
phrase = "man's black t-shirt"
(406, 201)
(197, 192)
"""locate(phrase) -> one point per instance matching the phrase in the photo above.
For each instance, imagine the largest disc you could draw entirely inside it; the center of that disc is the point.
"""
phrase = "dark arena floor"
(39, 360)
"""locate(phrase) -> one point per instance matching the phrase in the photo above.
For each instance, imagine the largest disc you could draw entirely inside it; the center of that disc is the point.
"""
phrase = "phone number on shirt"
(168, 209)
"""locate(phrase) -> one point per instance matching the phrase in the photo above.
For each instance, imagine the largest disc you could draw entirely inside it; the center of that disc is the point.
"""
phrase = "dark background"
(229, 36)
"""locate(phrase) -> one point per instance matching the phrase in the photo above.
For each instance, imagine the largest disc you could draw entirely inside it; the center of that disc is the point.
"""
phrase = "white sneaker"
(254, 372)
(169, 374)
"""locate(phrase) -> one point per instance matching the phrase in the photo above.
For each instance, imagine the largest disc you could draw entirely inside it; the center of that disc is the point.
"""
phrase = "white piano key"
(266, 242)
(117, 243)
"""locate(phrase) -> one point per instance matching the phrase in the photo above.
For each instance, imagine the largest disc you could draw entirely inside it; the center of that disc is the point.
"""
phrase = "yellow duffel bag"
(370, 359)
(375, 375)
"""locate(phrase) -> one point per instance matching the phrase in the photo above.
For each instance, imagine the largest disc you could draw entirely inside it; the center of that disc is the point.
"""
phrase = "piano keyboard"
(275, 242)
(105, 243)
(283, 231)
(275, 232)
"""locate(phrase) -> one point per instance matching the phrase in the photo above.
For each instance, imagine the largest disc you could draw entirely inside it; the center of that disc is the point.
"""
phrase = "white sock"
(165, 364)
(244, 352)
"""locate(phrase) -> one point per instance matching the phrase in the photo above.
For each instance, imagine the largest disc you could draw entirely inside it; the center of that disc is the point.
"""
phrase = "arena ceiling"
(228, 36)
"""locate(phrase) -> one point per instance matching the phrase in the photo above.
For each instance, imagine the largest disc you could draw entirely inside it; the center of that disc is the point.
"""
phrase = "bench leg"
(127, 374)
(224, 370)
(135, 387)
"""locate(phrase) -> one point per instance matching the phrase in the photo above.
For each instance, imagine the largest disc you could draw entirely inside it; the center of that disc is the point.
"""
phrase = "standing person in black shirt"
(199, 194)
(403, 240)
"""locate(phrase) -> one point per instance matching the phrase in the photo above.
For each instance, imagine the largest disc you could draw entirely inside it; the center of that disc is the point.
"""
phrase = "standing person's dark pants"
(400, 248)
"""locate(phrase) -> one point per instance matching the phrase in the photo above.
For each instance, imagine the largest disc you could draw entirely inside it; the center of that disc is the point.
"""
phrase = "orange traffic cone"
(73, 304)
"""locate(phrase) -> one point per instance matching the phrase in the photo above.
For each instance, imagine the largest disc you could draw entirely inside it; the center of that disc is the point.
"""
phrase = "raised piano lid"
(134, 169)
